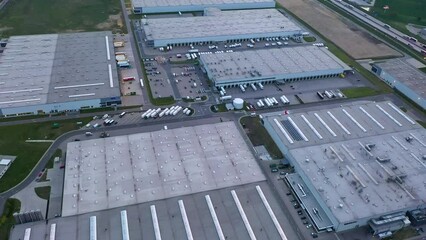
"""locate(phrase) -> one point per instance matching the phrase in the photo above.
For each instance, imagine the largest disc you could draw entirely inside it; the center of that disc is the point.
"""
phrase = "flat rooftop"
(270, 62)
(56, 68)
(124, 170)
(189, 3)
(364, 160)
(219, 23)
(406, 74)
(170, 218)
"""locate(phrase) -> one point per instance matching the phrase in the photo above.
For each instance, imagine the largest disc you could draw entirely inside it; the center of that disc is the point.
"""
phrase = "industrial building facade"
(355, 165)
(42, 74)
(165, 6)
(403, 77)
(271, 65)
(217, 26)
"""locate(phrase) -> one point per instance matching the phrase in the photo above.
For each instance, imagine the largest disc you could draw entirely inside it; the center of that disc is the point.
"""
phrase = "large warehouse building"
(355, 165)
(403, 77)
(199, 182)
(270, 65)
(155, 6)
(218, 26)
(57, 72)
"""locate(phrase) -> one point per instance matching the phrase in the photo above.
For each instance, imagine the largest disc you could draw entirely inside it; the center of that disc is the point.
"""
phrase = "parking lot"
(159, 79)
(187, 81)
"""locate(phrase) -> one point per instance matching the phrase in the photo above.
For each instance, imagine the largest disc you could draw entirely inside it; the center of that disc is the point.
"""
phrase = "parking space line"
(185, 220)
(214, 217)
(243, 215)
(155, 223)
(271, 213)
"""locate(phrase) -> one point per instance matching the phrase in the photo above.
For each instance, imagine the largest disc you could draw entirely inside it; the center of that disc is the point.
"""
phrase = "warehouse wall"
(400, 86)
(47, 108)
(137, 9)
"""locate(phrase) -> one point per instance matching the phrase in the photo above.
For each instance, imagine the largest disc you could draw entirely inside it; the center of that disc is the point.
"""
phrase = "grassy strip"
(344, 57)
(6, 220)
(43, 192)
(377, 33)
(29, 117)
(156, 101)
(258, 135)
(12, 142)
(220, 108)
(359, 92)
(423, 124)
(309, 39)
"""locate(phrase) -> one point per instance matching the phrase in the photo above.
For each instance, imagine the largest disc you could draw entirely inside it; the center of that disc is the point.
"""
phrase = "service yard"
(356, 42)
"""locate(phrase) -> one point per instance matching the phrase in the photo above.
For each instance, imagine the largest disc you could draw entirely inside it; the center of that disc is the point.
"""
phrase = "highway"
(378, 25)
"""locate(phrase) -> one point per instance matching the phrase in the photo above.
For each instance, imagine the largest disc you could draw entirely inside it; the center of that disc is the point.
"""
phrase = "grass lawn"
(309, 39)
(401, 12)
(359, 92)
(7, 221)
(259, 136)
(43, 192)
(220, 108)
(12, 142)
(22, 17)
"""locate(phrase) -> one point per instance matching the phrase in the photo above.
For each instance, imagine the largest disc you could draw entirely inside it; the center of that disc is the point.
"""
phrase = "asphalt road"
(378, 25)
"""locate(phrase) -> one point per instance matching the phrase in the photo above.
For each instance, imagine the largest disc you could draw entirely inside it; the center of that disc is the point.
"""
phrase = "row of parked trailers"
(172, 111)
(269, 102)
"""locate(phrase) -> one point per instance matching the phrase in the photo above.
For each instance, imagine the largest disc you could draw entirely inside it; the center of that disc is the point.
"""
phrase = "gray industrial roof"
(119, 171)
(178, 3)
(219, 23)
(329, 149)
(406, 74)
(270, 62)
(170, 218)
(54, 68)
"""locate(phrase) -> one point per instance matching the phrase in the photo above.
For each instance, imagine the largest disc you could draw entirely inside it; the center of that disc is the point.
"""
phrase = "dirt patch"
(114, 22)
(355, 41)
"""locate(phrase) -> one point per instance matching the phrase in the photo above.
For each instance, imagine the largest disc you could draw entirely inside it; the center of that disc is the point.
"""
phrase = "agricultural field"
(401, 13)
(25, 17)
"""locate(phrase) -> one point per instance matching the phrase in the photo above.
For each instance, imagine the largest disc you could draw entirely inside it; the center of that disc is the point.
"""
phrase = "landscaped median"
(360, 92)
(13, 142)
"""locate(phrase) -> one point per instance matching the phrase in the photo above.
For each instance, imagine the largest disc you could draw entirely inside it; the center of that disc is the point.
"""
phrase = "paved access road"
(379, 25)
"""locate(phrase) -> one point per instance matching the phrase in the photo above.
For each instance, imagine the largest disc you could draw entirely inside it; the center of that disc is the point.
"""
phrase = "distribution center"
(155, 6)
(355, 165)
(271, 65)
(199, 182)
(57, 72)
(404, 78)
(218, 26)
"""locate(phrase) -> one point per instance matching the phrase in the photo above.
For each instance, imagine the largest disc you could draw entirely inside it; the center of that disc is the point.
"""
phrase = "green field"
(401, 12)
(12, 142)
(53, 16)
(359, 92)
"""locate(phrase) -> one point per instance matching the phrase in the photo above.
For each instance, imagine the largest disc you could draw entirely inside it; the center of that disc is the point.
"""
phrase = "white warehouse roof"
(216, 23)
(271, 62)
(130, 169)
